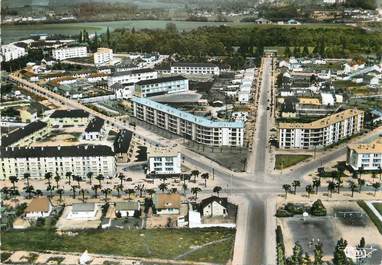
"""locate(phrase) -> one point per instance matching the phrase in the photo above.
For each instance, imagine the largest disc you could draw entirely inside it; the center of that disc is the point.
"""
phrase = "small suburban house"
(167, 203)
(38, 207)
(83, 211)
(127, 208)
(217, 207)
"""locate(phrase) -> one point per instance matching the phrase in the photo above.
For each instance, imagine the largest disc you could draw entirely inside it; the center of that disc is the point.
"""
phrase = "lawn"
(378, 207)
(371, 215)
(285, 161)
(156, 243)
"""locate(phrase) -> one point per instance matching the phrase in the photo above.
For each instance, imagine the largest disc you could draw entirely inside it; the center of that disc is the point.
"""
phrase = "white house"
(366, 156)
(38, 207)
(164, 161)
(83, 211)
(327, 99)
(217, 207)
(127, 208)
(94, 130)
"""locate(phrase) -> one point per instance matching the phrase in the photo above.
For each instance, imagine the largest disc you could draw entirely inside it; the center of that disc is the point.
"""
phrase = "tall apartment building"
(164, 161)
(322, 132)
(37, 161)
(161, 86)
(70, 52)
(11, 52)
(198, 129)
(103, 56)
(132, 76)
(195, 69)
(366, 156)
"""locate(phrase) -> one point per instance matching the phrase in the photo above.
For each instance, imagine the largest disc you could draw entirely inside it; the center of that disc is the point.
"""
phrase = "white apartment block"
(195, 128)
(322, 132)
(132, 76)
(195, 69)
(164, 161)
(37, 161)
(103, 56)
(11, 52)
(161, 86)
(366, 156)
(70, 52)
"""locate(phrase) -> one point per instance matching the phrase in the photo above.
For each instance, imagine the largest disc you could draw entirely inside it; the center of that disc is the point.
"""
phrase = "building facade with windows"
(323, 132)
(195, 69)
(365, 156)
(11, 52)
(195, 128)
(75, 117)
(132, 76)
(70, 52)
(164, 161)
(103, 56)
(161, 86)
(37, 161)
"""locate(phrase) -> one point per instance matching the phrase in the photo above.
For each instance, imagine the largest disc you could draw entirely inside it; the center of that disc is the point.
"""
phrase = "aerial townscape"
(204, 132)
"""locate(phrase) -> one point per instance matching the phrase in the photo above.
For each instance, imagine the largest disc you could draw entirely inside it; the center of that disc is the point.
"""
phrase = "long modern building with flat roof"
(322, 132)
(161, 86)
(132, 76)
(367, 156)
(189, 126)
(195, 69)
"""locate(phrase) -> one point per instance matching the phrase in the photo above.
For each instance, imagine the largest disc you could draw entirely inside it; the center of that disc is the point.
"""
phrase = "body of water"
(11, 33)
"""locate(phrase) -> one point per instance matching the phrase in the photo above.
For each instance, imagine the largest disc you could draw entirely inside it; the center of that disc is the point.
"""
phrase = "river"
(10, 33)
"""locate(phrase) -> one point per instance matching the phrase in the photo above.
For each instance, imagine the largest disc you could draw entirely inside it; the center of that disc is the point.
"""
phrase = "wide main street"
(257, 188)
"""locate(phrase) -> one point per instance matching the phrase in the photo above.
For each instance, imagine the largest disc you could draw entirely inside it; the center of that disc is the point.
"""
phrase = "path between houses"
(200, 247)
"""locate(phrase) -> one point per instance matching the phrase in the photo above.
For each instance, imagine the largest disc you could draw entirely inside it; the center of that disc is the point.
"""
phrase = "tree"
(360, 171)
(27, 177)
(305, 51)
(316, 184)
(376, 186)
(171, 27)
(89, 175)
(174, 190)
(100, 177)
(50, 189)
(296, 258)
(121, 177)
(339, 257)
(38, 193)
(309, 189)
(60, 192)
(48, 177)
(163, 187)
(353, 187)
(5, 191)
(29, 189)
(318, 208)
(140, 188)
(108, 37)
(13, 180)
(331, 187)
(96, 188)
(195, 191)
(295, 184)
(195, 173)
(286, 188)
(78, 179)
(217, 190)
(318, 254)
(205, 176)
(74, 188)
(306, 259)
(118, 188)
(150, 192)
(287, 52)
(362, 243)
(184, 188)
(68, 175)
(106, 192)
(57, 178)
(361, 183)
(82, 192)
(129, 192)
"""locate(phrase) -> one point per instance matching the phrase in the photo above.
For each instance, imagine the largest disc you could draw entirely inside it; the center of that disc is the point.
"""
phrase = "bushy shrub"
(318, 209)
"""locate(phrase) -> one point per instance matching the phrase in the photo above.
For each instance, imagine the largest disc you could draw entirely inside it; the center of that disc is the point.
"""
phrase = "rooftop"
(136, 71)
(83, 207)
(167, 201)
(161, 80)
(187, 116)
(122, 141)
(127, 206)
(324, 122)
(57, 151)
(194, 65)
(370, 148)
(38, 205)
(75, 113)
(19, 134)
(95, 125)
(157, 151)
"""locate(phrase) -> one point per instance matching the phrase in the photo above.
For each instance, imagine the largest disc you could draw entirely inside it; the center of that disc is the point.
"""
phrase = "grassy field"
(371, 215)
(285, 161)
(158, 243)
(378, 206)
